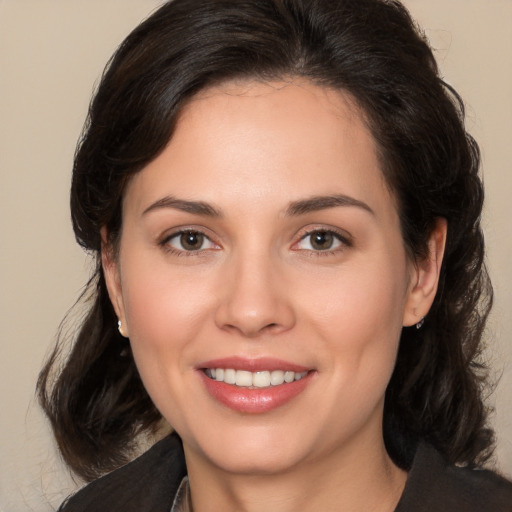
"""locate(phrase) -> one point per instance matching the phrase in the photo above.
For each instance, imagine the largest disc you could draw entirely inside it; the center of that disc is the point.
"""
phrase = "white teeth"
(289, 376)
(243, 378)
(263, 379)
(230, 376)
(276, 377)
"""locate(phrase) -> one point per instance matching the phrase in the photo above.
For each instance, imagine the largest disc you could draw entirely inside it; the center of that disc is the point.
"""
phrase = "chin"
(257, 462)
(252, 451)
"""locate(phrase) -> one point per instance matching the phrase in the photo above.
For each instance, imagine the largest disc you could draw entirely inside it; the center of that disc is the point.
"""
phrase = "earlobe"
(112, 278)
(425, 278)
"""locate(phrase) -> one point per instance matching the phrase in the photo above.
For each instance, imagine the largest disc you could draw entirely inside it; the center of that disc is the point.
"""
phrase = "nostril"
(253, 313)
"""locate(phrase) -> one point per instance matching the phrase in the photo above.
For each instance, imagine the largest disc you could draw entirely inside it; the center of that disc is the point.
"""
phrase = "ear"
(425, 276)
(113, 279)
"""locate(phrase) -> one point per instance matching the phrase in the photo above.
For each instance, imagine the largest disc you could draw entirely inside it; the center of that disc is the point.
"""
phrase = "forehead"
(277, 106)
(281, 139)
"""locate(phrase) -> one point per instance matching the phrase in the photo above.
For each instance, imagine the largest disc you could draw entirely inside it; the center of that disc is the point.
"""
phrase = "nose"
(255, 298)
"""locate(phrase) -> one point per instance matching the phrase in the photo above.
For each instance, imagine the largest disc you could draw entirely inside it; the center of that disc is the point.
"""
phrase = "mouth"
(254, 380)
(254, 385)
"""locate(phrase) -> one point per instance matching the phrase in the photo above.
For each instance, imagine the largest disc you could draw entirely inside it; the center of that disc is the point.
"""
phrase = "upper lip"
(258, 364)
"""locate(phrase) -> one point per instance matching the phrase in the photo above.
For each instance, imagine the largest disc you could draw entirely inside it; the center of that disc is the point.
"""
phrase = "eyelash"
(343, 240)
(165, 243)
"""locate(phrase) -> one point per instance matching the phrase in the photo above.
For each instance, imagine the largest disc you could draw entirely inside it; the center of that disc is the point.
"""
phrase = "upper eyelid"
(171, 233)
(320, 230)
(302, 233)
(340, 233)
(165, 242)
(344, 239)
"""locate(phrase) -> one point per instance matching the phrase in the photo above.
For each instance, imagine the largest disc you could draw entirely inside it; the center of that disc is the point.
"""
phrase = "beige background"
(51, 54)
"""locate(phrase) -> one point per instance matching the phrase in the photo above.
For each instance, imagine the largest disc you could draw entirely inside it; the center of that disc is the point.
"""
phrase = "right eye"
(189, 241)
(320, 240)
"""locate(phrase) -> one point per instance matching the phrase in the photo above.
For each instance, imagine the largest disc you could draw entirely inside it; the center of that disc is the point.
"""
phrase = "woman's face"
(262, 246)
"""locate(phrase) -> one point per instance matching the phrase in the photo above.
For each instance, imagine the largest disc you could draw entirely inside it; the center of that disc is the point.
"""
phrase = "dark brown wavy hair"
(370, 49)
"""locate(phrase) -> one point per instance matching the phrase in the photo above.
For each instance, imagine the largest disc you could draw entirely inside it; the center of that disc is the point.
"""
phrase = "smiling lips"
(254, 386)
(261, 379)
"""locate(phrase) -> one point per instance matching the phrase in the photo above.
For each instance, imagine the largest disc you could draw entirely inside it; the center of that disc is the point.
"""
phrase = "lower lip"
(254, 400)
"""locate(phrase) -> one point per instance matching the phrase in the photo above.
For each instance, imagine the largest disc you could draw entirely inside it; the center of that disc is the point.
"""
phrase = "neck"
(355, 478)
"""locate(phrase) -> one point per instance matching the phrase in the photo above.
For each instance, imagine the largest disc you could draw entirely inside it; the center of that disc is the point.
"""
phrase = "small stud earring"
(120, 329)
(420, 323)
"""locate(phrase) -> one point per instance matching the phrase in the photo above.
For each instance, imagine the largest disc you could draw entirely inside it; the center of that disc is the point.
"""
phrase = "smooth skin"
(292, 250)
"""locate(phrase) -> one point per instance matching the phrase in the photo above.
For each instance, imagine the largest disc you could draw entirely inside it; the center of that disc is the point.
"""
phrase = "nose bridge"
(254, 299)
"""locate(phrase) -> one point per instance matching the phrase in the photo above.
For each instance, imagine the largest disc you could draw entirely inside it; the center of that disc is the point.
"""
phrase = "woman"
(284, 208)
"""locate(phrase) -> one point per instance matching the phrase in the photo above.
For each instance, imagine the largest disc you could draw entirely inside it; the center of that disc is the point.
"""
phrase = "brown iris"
(321, 240)
(191, 240)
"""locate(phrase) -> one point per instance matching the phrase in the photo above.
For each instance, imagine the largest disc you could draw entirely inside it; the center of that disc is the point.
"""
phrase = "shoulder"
(148, 483)
(433, 486)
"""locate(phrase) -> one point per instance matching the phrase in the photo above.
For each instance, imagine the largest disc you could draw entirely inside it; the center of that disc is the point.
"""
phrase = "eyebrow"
(316, 203)
(295, 208)
(194, 207)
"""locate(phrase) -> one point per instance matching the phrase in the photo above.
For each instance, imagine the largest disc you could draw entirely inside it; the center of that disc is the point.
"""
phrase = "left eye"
(320, 240)
(190, 241)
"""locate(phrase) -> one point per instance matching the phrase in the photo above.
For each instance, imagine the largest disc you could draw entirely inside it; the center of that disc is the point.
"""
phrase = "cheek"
(165, 310)
(165, 313)
(359, 314)
(159, 300)
(359, 298)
